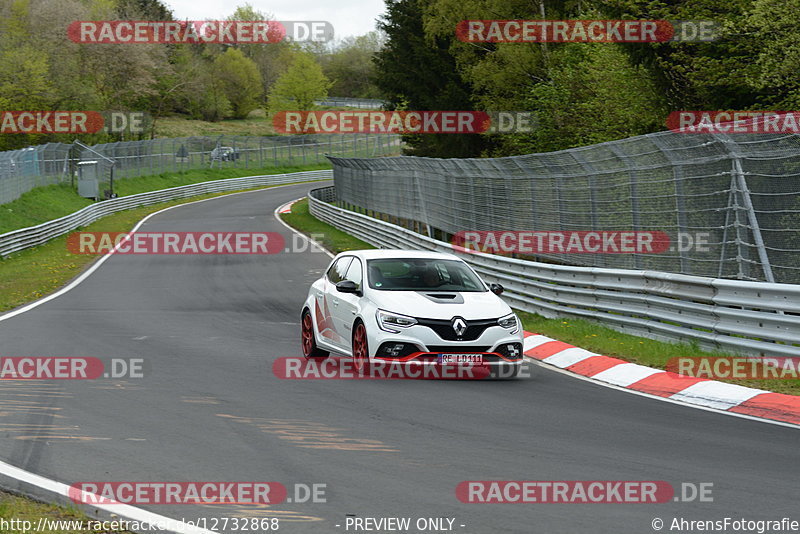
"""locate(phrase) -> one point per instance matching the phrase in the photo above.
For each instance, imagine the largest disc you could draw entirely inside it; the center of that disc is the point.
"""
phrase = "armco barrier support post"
(738, 174)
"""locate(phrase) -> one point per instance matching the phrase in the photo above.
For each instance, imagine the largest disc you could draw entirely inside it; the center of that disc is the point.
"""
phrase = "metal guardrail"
(18, 240)
(738, 316)
(360, 103)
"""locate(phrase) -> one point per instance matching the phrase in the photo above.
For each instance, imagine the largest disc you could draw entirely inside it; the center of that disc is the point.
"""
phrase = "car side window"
(355, 273)
(338, 269)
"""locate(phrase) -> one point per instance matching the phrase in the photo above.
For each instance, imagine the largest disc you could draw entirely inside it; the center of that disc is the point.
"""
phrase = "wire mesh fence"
(22, 170)
(360, 103)
(730, 204)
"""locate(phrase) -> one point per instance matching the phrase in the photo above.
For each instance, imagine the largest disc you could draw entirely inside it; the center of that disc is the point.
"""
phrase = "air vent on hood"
(444, 298)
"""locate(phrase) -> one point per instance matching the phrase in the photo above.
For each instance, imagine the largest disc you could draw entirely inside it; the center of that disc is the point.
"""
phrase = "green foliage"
(421, 74)
(350, 66)
(581, 93)
(238, 79)
(774, 24)
(301, 84)
(273, 59)
(712, 75)
(587, 93)
(594, 95)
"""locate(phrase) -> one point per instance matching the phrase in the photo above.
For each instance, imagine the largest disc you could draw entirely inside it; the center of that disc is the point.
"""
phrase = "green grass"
(14, 507)
(582, 333)
(51, 202)
(181, 126)
(257, 123)
(142, 184)
(40, 205)
(332, 239)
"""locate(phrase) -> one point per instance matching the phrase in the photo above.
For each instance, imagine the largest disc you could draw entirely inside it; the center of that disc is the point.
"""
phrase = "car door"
(346, 308)
(331, 299)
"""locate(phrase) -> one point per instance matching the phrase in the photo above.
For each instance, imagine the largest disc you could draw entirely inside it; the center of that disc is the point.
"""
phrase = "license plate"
(456, 359)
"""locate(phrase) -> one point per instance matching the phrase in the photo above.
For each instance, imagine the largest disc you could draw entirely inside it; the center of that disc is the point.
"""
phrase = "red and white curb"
(287, 208)
(701, 392)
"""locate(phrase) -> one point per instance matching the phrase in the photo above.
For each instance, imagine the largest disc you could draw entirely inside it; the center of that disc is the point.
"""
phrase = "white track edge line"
(298, 232)
(130, 512)
(126, 511)
(656, 397)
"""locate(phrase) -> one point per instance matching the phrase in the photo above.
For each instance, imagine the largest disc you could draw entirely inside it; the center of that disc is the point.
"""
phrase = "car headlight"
(510, 323)
(393, 322)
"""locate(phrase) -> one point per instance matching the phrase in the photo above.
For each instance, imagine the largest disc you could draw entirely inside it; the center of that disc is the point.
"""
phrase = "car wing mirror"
(497, 289)
(347, 286)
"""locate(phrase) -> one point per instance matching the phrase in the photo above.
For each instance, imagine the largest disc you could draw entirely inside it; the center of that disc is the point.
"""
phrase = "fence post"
(423, 205)
(738, 177)
(744, 190)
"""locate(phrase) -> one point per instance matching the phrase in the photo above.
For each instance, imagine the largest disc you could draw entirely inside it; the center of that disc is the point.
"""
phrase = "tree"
(350, 68)
(239, 80)
(773, 24)
(300, 86)
(418, 72)
(710, 75)
(594, 95)
(272, 59)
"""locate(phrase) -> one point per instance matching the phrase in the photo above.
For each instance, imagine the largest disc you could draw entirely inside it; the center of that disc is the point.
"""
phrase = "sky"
(349, 17)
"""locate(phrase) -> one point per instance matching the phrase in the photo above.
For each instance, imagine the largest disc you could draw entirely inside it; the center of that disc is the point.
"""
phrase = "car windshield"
(422, 274)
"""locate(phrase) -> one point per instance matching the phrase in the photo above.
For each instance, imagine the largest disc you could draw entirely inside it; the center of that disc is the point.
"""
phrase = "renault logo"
(459, 326)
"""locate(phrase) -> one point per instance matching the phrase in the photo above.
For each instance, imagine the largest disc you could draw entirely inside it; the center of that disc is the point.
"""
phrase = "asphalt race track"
(210, 408)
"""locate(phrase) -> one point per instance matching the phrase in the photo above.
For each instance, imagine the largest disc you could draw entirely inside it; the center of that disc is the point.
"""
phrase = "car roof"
(372, 254)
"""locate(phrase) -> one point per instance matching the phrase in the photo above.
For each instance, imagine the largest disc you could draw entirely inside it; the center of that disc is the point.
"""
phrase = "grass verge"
(331, 238)
(20, 509)
(44, 204)
(582, 333)
(257, 123)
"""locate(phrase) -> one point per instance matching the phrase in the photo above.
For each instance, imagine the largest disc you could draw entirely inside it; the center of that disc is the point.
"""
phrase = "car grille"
(444, 328)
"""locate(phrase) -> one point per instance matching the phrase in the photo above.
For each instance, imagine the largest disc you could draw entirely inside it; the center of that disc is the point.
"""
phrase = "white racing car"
(410, 306)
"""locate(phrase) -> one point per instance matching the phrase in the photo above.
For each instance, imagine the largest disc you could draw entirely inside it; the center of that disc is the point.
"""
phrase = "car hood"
(421, 304)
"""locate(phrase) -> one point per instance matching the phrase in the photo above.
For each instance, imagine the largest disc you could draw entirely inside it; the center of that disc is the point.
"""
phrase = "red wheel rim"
(308, 335)
(360, 346)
